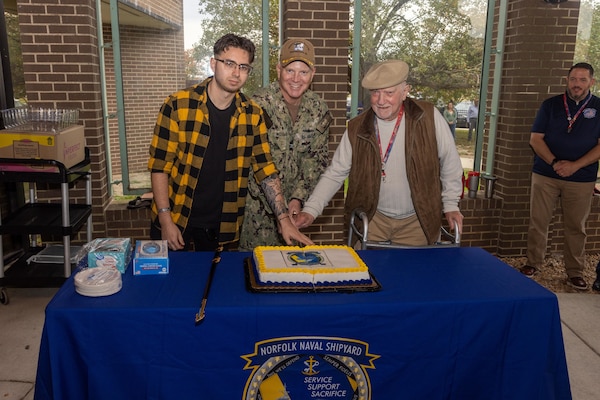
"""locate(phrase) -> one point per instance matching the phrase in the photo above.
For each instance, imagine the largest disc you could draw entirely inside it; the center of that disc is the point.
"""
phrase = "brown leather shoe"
(577, 282)
(528, 270)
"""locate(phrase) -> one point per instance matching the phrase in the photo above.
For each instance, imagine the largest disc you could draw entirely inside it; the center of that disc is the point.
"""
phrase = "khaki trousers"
(575, 200)
(406, 231)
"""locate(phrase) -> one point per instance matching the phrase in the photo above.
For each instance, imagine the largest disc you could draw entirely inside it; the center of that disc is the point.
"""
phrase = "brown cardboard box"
(67, 146)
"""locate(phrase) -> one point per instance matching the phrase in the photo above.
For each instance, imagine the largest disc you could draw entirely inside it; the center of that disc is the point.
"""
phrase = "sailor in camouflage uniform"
(298, 136)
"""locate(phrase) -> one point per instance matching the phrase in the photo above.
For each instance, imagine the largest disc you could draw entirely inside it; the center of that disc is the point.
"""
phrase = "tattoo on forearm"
(271, 187)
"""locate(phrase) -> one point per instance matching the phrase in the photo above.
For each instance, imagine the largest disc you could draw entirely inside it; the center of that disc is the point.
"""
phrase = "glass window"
(16, 85)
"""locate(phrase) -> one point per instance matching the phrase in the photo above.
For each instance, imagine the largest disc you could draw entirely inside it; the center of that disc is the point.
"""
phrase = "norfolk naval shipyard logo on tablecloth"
(307, 367)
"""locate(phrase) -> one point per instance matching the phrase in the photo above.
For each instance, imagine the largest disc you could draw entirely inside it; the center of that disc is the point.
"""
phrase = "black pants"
(195, 238)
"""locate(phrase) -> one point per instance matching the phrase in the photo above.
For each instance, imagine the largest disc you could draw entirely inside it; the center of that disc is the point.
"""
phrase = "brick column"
(539, 49)
(326, 25)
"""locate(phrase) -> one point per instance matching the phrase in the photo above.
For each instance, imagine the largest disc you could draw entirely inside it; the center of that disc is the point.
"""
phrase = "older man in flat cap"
(298, 136)
(401, 161)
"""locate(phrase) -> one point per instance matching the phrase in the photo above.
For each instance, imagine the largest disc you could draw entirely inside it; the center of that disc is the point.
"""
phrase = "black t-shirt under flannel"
(209, 193)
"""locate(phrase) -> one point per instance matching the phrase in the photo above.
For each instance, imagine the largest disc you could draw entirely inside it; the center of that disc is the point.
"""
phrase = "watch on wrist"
(554, 162)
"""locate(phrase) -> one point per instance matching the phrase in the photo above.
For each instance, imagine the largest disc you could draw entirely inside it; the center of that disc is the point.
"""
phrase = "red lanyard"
(385, 157)
(572, 120)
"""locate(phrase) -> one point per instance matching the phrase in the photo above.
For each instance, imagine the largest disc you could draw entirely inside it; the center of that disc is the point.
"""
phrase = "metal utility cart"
(35, 218)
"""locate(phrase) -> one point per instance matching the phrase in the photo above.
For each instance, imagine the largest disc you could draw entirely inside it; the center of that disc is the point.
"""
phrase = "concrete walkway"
(21, 323)
(580, 316)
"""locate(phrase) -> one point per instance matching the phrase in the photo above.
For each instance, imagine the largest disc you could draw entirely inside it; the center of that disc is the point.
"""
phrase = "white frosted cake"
(316, 265)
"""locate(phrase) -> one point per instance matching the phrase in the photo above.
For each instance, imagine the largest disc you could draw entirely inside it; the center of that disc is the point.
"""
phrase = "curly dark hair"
(231, 40)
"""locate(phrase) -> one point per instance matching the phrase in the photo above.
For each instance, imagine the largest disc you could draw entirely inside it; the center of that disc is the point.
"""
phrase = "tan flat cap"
(385, 74)
(297, 50)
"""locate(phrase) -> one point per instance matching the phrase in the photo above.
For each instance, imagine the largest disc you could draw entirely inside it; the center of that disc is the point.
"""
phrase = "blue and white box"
(151, 257)
(109, 252)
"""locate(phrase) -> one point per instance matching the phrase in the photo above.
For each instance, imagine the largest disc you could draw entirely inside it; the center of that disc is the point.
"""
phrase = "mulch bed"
(552, 275)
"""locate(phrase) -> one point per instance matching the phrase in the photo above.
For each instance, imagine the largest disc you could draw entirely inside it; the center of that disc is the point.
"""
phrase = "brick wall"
(481, 223)
(170, 10)
(126, 223)
(60, 60)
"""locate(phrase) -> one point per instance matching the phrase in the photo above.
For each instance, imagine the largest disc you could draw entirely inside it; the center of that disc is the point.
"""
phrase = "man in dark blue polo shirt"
(566, 140)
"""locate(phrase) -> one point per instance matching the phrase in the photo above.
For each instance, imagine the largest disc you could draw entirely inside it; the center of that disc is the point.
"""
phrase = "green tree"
(434, 37)
(192, 71)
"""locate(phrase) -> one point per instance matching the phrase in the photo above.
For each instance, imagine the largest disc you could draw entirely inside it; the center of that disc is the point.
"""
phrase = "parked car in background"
(461, 109)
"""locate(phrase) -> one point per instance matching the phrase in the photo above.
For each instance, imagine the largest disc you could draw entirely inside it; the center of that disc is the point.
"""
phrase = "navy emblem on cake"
(306, 258)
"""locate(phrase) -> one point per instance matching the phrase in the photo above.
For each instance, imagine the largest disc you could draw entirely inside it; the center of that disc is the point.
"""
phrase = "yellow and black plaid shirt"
(180, 140)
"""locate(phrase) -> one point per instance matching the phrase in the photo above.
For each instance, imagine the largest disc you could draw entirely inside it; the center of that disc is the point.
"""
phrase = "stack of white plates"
(98, 281)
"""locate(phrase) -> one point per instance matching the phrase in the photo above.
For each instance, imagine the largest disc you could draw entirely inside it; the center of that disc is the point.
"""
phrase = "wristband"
(163, 210)
(554, 162)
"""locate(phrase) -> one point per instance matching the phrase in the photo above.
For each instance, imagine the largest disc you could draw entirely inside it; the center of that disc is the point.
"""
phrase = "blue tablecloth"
(448, 323)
